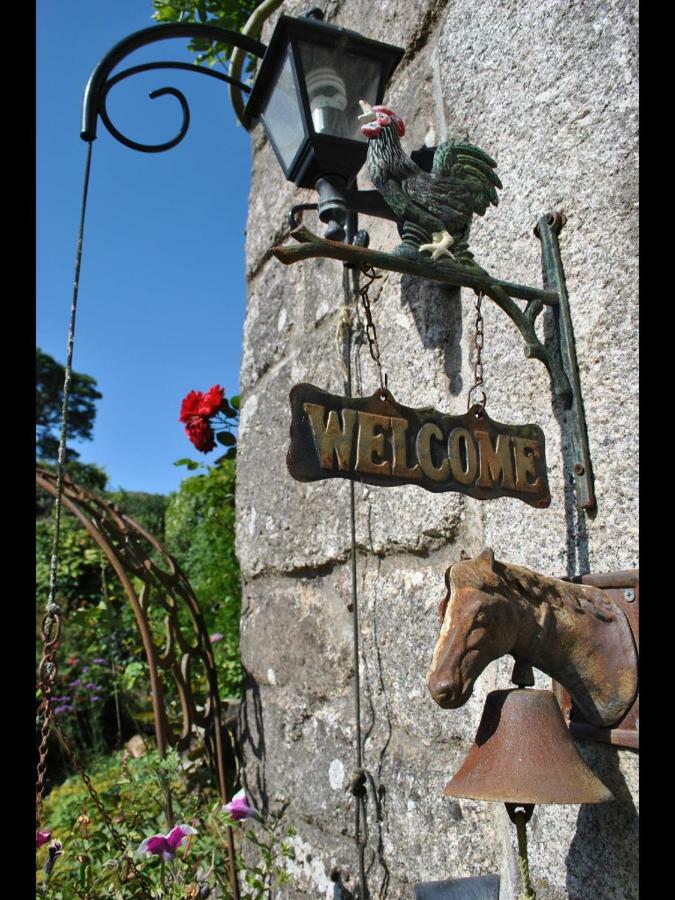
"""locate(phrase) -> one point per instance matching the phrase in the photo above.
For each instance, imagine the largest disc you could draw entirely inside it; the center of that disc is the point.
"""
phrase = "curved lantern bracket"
(100, 82)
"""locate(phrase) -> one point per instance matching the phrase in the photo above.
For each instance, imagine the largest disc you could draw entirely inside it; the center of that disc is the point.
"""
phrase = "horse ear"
(487, 556)
(443, 605)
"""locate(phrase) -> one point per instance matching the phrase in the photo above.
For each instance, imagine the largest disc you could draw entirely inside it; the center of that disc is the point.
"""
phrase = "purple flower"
(239, 807)
(62, 709)
(166, 845)
(42, 838)
(99, 661)
(85, 669)
(76, 683)
(95, 699)
(216, 637)
(55, 850)
(92, 687)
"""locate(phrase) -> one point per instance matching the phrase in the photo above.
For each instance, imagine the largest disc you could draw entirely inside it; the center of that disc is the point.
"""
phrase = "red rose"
(211, 401)
(191, 406)
(200, 434)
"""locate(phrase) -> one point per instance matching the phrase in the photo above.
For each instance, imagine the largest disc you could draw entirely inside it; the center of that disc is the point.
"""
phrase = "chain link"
(479, 340)
(50, 632)
(371, 331)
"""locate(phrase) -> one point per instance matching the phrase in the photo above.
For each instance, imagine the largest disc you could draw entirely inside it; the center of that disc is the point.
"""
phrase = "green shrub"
(133, 792)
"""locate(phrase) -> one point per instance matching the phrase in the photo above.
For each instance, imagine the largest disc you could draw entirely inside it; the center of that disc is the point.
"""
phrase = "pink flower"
(42, 838)
(216, 637)
(166, 845)
(239, 807)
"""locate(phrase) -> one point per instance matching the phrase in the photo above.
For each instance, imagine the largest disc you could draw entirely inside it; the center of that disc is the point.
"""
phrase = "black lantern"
(307, 94)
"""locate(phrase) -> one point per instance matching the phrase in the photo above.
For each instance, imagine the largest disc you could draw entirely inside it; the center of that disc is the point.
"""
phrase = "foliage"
(200, 529)
(79, 572)
(49, 400)
(231, 14)
(133, 793)
(146, 509)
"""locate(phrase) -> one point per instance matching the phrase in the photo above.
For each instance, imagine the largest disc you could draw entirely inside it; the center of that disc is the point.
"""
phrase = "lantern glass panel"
(281, 114)
(336, 80)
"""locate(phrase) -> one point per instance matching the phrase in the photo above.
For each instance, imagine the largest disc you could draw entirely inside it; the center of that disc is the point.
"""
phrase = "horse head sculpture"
(575, 633)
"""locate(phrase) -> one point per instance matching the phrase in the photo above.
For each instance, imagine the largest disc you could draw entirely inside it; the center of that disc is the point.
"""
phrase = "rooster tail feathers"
(479, 168)
(472, 150)
(472, 166)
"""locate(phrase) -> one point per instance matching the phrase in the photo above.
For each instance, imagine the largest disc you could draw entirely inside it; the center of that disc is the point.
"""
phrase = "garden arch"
(124, 543)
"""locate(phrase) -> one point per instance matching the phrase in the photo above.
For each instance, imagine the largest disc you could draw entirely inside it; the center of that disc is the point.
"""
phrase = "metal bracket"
(547, 230)
(559, 357)
(100, 82)
(624, 588)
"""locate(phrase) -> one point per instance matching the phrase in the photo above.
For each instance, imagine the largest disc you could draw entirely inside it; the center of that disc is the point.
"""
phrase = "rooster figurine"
(435, 208)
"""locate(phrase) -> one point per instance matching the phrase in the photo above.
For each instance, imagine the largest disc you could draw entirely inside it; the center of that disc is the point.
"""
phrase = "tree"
(200, 532)
(49, 400)
(232, 14)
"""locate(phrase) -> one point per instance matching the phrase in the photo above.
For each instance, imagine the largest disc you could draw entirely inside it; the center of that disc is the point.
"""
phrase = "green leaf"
(226, 438)
(190, 463)
(234, 401)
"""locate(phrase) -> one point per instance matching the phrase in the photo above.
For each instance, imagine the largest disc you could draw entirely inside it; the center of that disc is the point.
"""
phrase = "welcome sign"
(378, 441)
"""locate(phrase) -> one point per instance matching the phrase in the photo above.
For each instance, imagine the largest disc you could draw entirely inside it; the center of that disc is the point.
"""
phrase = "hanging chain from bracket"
(479, 340)
(50, 629)
(371, 330)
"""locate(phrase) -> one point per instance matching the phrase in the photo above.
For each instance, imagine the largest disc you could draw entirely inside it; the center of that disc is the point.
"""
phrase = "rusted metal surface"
(624, 589)
(379, 441)
(186, 651)
(576, 633)
(523, 754)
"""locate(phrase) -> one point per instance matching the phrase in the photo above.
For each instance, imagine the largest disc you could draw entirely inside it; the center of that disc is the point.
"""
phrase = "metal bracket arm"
(501, 292)
(99, 82)
(559, 358)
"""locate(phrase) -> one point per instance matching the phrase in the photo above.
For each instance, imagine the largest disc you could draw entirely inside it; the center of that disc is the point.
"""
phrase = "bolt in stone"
(579, 469)
(629, 595)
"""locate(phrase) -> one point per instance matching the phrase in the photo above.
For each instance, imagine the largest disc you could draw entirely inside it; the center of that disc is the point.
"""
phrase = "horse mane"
(536, 589)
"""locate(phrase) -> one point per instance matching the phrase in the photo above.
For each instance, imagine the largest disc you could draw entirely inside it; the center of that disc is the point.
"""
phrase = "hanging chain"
(371, 331)
(50, 629)
(478, 363)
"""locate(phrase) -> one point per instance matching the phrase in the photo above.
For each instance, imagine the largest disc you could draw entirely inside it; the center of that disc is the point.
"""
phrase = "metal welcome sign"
(379, 441)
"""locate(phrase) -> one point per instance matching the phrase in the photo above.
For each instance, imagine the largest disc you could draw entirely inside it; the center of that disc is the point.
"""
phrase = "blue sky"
(162, 287)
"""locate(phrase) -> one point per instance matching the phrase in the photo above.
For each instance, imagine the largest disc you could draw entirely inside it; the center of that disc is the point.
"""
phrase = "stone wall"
(549, 89)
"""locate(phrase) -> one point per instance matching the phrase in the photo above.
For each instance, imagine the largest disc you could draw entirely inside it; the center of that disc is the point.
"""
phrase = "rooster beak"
(368, 114)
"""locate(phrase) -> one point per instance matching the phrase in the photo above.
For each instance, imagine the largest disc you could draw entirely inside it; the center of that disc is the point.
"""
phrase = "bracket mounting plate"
(624, 588)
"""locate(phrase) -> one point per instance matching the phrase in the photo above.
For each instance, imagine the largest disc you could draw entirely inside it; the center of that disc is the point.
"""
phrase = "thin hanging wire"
(51, 622)
(350, 281)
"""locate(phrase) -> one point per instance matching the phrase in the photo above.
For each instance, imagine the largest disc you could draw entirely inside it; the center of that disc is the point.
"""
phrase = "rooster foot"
(441, 241)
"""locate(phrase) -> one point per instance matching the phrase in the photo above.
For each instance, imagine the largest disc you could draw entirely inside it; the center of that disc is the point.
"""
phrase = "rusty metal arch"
(122, 540)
